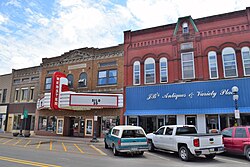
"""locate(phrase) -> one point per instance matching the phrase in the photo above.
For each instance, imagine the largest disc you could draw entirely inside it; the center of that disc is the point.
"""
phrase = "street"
(46, 152)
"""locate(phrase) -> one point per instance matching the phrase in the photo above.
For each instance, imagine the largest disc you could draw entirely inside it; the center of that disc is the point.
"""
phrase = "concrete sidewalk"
(57, 138)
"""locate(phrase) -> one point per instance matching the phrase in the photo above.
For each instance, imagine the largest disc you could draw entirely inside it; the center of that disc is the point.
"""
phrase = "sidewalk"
(57, 138)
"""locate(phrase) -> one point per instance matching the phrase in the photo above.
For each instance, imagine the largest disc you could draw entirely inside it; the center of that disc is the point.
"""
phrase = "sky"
(34, 29)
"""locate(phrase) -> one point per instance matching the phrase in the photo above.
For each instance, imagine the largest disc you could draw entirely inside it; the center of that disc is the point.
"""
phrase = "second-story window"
(187, 64)
(229, 62)
(48, 82)
(24, 95)
(70, 78)
(163, 70)
(107, 77)
(149, 71)
(213, 68)
(16, 94)
(32, 93)
(82, 82)
(4, 96)
(185, 28)
(245, 53)
(1, 94)
(136, 73)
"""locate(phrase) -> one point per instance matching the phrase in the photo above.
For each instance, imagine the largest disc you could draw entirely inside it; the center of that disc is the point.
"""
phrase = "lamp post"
(235, 90)
(95, 124)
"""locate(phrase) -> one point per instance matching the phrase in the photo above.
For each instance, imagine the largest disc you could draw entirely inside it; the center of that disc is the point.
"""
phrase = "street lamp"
(95, 124)
(235, 90)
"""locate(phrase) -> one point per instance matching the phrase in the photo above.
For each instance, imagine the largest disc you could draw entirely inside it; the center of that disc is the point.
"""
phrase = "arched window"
(82, 80)
(229, 62)
(185, 28)
(213, 67)
(163, 70)
(245, 53)
(136, 73)
(70, 78)
(149, 71)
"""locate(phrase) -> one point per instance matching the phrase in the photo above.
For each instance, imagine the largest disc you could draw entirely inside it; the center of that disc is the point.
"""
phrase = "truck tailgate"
(210, 141)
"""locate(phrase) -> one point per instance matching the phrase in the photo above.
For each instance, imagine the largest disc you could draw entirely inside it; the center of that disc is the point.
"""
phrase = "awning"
(186, 111)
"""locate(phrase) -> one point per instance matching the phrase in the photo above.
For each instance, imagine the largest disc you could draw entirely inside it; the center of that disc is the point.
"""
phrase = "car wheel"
(210, 156)
(115, 151)
(248, 153)
(184, 153)
(106, 145)
(151, 146)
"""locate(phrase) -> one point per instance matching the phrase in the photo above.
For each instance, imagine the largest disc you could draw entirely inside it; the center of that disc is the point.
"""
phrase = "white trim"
(187, 61)
(245, 49)
(212, 53)
(135, 64)
(163, 59)
(149, 61)
(229, 50)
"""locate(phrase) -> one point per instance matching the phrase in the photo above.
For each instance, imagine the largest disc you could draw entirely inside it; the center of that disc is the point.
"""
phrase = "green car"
(129, 139)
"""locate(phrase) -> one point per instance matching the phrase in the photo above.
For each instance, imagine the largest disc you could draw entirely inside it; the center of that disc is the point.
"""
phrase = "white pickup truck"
(184, 140)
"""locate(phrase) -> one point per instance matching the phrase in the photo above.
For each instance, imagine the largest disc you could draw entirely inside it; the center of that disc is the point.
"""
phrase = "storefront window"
(89, 127)
(109, 122)
(60, 126)
(132, 121)
(47, 123)
(32, 122)
(17, 122)
(171, 120)
(212, 122)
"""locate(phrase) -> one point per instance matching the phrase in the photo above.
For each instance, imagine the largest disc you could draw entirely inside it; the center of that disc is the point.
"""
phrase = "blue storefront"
(207, 105)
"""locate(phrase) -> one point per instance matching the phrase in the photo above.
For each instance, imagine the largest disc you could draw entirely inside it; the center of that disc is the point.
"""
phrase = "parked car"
(237, 140)
(185, 140)
(130, 139)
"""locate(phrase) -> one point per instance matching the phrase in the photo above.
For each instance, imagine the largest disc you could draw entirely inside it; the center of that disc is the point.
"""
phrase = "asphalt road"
(25, 152)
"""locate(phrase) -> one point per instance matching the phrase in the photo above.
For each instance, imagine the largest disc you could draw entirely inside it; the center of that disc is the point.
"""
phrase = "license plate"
(134, 149)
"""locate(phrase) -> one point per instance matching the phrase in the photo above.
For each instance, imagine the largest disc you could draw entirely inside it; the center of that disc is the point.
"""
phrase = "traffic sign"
(237, 114)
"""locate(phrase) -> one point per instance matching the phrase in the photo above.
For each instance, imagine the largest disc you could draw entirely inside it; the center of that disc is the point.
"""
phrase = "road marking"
(8, 141)
(20, 161)
(50, 145)
(39, 144)
(158, 156)
(98, 150)
(78, 148)
(17, 142)
(229, 160)
(65, 149)
(27, 143)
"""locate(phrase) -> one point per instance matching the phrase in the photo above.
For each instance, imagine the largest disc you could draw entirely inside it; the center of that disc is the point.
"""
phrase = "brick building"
(5, 89)
(182, 73)
(23, 98)
(88, 70)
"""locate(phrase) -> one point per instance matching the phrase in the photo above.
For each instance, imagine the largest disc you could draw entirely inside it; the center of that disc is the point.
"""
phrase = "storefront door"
(191, 120)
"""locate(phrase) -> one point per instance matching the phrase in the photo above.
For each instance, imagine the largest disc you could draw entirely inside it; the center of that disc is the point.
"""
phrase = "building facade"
(88, 70)
(23, 98)
(5, 89)
(183, 73)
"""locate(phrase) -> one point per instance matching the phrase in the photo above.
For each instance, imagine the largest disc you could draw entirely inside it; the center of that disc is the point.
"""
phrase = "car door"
(158, 137)
(228, 138)
(239, 138)
(168, 139)
(108, 137)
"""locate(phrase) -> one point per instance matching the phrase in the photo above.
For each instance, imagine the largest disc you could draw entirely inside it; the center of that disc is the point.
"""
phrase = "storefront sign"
(99, 100)
(237, 114)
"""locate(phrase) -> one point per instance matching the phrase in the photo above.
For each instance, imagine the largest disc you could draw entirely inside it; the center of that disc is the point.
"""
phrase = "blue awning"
(186, 111)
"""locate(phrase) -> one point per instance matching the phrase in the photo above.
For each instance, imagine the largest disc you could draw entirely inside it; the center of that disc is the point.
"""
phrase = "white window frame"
(182, 62)
(213, 53)
(163, 59)
(136, 63)
(229, 50)
(245, 49)
(22, 94)
(16, 96)
(149, 60)
(31, 94)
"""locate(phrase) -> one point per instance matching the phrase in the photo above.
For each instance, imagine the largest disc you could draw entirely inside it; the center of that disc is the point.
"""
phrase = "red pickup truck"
(237, 140)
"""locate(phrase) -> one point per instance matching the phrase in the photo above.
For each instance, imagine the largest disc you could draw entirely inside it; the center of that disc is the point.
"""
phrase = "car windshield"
(133, 133)
(186, 130)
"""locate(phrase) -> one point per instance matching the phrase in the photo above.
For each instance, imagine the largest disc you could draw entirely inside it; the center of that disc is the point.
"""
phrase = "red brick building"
(204, 50)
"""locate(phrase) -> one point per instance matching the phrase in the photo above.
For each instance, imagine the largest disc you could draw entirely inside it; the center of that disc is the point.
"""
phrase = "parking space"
(54, 145)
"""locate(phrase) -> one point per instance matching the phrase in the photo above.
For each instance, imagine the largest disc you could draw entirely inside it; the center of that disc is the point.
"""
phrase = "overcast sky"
(34, 29)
